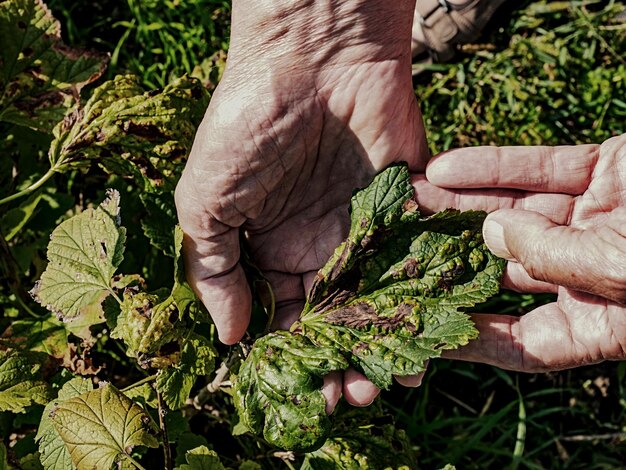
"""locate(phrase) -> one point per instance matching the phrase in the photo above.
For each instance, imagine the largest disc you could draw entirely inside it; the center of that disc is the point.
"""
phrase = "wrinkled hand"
(316, 98)
(560, 220)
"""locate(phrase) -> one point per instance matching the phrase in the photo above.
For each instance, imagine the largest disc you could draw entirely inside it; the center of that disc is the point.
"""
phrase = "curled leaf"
(389, 299)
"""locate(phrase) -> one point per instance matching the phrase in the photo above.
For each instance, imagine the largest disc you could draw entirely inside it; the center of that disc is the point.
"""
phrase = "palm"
(581, 188)
(279, 157)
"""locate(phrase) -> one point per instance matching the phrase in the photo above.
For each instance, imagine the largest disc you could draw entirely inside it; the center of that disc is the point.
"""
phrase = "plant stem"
(33, 187)
(167, 454)
(145, 380)
(26, 308)
(135, 463)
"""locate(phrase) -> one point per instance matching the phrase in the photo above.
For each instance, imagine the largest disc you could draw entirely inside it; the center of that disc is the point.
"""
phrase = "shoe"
(445, 26)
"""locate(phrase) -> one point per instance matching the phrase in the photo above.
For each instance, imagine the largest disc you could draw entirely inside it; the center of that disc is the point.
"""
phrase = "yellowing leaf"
(83, 254)
(100, 428)
(54, 453)
(40, 77)
(129, 132)
(21, 382)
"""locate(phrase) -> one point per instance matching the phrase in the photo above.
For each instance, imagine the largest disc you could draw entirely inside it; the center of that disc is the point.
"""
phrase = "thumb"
(590, 260)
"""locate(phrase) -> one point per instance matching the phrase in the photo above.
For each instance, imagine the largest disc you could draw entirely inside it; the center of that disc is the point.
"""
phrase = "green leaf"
(46, 335)
(389, 299)
(21, 381)
(132, 133)
(159, 219)
(278, 390)
(143, 394)
(175, 386)
(4, 462)
(40, 77)
(54, 453)
(83, 254)
(392, 293)
(197, 359)
(100, 428)
(185, 298)
(14, 220)
(363, 439)
(201, 458)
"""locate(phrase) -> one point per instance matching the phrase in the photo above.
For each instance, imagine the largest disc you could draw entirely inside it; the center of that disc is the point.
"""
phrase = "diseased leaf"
(83, 255)
(362, 439)
(197, 359)
(40, 77)
(46, 335)
(21, 382)
(100, 428)
(201, 458)
(132, 133)
(145, 324)
(54, 453)
(389, 299)
(396, 308)
(278, 390)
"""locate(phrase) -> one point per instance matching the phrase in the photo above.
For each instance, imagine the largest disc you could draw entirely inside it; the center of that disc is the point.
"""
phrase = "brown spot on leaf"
(21, 25)
(410, 206)
(411, 268)
(147, 131)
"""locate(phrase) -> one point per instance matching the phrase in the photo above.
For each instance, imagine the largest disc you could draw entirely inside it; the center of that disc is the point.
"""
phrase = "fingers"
(331, 389)
(591, 260)
(556, 207)
(579, 331)
(357, 389)
(563, 169)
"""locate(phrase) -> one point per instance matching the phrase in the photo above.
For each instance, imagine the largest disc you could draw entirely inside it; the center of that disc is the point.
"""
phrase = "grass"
(544, 73)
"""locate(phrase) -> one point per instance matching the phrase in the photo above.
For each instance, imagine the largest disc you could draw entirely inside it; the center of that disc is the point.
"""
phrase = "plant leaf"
(46, 335)
(278, 390)
(21, 382)
(54, 453)
(388, 300)
(83, 255)
(185, 298)
(405, 308)
(132, 133)
(40, 77)
(100, 428)
(145, 325)
(363, 439)
(197, 359)
(201, 458)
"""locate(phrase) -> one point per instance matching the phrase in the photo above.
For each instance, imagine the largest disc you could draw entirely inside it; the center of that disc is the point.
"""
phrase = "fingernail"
(493, 233)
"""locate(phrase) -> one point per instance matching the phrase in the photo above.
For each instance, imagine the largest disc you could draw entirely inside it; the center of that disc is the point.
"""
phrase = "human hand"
(560, 220)
(315, 99)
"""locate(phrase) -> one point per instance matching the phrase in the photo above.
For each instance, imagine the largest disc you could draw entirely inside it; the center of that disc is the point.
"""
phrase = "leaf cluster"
(387, 301)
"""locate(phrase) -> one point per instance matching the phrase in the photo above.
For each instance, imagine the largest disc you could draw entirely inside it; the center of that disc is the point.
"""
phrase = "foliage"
(386, 302)
(548, 72)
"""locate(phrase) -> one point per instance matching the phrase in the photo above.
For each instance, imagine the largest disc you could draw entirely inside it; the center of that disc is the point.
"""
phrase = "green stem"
(167, 453)
(135, 463)
(33, 187)
(145, 380)
(26, 308)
